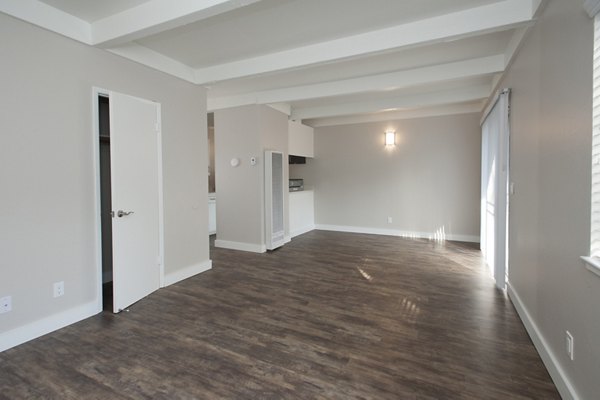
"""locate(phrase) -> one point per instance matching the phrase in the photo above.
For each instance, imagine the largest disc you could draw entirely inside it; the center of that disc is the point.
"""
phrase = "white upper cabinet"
(301, 139)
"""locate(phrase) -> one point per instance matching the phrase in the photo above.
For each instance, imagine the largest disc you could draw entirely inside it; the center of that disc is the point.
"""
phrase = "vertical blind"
(595, 223)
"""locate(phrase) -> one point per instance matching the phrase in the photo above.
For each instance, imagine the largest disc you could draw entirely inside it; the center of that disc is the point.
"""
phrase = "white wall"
(428, 183)
(238, 189)
(551, 134)
(47, 218)
(245, 132)
(274, 135)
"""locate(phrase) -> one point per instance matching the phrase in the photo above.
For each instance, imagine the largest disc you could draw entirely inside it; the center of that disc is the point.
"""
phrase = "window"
(593, 261)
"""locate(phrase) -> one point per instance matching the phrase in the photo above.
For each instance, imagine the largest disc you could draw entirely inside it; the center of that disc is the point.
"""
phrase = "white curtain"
(494, 188)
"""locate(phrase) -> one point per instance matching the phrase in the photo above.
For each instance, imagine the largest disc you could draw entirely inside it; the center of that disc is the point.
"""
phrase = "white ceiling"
(93, 10)
(323, 61)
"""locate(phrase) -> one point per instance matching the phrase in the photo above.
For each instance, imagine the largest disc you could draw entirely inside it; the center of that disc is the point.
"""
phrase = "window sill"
(592, 264)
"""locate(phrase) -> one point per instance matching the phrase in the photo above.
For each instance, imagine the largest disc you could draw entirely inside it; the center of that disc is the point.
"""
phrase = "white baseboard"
(33, 330)
(303, 230)
(187, 272)
(254, 248)
(558, 375)
(396, 232)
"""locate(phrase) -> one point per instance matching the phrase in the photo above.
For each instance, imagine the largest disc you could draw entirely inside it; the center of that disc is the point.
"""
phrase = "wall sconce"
(390, 138)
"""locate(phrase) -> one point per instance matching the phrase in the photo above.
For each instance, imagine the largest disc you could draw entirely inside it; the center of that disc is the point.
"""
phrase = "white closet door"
(134, 128)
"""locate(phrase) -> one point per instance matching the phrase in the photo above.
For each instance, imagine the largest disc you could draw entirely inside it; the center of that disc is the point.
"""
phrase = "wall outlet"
(59, 289)
(389, 220)
(5, 304)
(570, 344)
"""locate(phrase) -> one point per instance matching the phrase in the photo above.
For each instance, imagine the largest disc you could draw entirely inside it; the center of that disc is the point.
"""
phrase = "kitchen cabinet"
(300, 139)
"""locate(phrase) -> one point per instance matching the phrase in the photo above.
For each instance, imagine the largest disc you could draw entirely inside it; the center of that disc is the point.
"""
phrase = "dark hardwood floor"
(328, 316)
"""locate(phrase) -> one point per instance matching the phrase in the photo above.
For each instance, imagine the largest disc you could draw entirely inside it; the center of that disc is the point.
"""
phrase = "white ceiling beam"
(282, 107)
(157, 16)
(451, 109)
(152, 59)
(389, 81)
(55, 20)
(460, 95)
(489, 18)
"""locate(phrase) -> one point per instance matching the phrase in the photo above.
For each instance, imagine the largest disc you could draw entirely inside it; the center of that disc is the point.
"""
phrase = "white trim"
(558, 375)
(301, 231)
(396, 232)
(187, 272)
(51, 323)
(592, 7)
(161, 203)
(592, 264)
(227, 244)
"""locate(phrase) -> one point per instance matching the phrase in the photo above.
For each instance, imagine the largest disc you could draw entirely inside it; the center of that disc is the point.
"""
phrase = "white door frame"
(96, 92)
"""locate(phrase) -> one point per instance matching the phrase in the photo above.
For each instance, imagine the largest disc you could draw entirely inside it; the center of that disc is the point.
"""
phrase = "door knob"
(122, 213)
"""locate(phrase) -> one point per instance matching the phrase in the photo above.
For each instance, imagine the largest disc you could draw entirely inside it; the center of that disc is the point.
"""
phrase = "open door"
(136, 198)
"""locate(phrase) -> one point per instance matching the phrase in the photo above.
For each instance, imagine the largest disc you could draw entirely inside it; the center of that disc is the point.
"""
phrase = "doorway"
(212, 191)
(105, 201)
(129, 200)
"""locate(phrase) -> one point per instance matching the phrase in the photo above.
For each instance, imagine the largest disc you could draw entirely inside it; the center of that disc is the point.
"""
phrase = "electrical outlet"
(570, 345)
(389, 220)
(59, 289)
(5, 304)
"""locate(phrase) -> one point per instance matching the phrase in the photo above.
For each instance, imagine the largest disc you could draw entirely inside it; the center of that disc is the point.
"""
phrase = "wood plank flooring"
(328, 316)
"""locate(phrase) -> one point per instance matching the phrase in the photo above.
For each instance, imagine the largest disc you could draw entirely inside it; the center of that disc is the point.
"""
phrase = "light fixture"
(390, 138)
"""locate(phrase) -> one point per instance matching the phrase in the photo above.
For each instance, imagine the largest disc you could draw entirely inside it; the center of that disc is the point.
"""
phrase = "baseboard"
(187, 272)
(396, 232)
(301, 231)
(558, 375)
(254, 248)
(33, 330)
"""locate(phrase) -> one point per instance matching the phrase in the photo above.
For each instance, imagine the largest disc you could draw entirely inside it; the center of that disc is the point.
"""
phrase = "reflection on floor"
(328, 316)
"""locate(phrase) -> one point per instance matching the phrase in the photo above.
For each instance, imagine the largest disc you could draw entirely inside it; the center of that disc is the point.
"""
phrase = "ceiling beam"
(157, 16)
(152, 59)
(389, 81)
(53, 19)
(452, 109)
(484, 19)
(461, 95)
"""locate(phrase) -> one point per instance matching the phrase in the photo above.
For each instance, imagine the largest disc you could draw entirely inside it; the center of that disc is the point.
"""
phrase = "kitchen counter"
(302, 212)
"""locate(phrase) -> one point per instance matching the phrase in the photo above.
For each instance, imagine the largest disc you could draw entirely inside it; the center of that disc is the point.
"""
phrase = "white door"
(494, 188)
(134, 152)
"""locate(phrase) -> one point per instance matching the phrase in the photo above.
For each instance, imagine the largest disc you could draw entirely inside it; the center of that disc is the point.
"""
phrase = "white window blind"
(595, 225)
